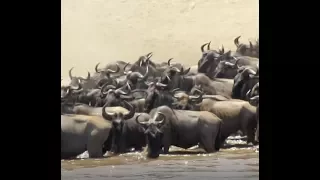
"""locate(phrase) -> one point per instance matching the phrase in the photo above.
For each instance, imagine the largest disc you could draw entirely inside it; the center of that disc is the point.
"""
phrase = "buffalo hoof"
(161, 151)
(250, 144)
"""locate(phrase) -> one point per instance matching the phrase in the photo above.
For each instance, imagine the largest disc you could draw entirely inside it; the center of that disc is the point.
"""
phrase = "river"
(237, 161)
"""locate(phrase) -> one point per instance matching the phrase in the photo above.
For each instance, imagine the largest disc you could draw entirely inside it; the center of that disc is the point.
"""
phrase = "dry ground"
(107, 30)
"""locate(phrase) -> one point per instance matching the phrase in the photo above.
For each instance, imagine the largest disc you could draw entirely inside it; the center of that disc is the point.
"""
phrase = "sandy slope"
(107, 30)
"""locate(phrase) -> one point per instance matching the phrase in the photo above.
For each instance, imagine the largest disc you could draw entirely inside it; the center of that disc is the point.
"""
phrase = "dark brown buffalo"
(126, 133)
(247, 50)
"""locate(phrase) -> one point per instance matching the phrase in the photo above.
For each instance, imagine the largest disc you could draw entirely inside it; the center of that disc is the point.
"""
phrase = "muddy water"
(237, 161)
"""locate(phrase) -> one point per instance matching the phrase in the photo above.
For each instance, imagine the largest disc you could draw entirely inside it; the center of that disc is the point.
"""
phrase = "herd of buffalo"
(125, 106)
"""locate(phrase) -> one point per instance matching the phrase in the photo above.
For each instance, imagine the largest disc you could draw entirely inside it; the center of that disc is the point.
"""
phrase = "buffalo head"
(135, 77)
(152, 94)
(153, 130)
(117, 119)
(113, 96)
(240, 87)
(226, 69)
(184, 99)
(105, 75)
(210, 60)
(247, 50)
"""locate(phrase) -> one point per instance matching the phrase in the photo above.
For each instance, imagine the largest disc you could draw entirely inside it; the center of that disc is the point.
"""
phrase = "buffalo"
(180, 128)
(153, 105)
(80, 133)
(243, 82)
(125, 132)
(247, 50)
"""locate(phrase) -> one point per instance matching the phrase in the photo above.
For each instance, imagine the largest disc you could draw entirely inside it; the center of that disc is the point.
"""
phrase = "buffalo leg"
(206, 139)
(166, 142)
(256, 138)
(251, 131)
(166, 149)
(94, 147)
(95, 151)
(138, 148)
(222, 140)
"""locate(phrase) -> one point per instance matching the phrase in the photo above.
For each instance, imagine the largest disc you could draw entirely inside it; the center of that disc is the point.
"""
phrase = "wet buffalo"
(255, 101)
(126, 133)
(235, 114)
(215, 91)
(80, 133)
(180, 128)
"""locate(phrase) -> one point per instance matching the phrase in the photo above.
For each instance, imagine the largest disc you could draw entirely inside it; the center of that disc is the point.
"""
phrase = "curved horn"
(70, 73)
(254, 98)
(186, 71)
(83, 79)
(88, 77)
(124, 68)
(120, 91)
(247, 94)
(208, 47)
(175, 69)
(161, 85)
(106, 87)
(96, 68)
(149, 55)
(251, 71)
(79, 87)
(169, 79)
(229, 63)
(169, 61)
(222, 49)
(174, 90)
(107, 116)
(202, 47)
(142, 123)
(163, 119)
(143, 78)
(148, 58)
(236, 41)
(198, 90)
(67, 94)
(236, 63)
(251, 46)
(116, 71)
(129, 86)
(254, 89)
(131, 112)
(149, 83)
(199, 97)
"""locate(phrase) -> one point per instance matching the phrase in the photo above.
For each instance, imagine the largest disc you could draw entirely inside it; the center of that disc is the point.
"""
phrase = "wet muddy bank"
(231, 163)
